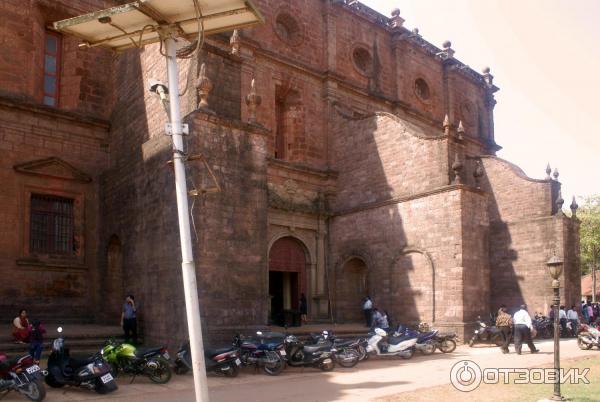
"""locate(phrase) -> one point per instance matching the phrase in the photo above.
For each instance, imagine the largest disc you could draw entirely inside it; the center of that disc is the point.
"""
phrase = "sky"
(545, 58)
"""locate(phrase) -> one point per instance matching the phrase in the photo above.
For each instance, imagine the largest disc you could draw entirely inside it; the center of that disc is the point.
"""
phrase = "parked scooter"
(486, 334)
(383, 345)
(124, 357)
(23, 376)
(266, 350)
(588, 337)
(299, 354)
(224, 361)
(92, 373)
(347, 351)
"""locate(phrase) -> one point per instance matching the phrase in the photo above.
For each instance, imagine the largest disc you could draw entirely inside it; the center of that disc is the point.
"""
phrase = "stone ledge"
(211, 117)
(53, 266)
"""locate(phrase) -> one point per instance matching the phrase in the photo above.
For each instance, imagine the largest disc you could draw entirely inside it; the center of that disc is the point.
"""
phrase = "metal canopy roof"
(136, 24)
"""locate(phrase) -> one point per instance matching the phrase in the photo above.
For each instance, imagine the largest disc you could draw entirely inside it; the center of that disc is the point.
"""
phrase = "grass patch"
(512, 392)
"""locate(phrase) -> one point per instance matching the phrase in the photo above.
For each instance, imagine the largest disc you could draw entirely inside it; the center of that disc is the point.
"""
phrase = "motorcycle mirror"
(59, 330)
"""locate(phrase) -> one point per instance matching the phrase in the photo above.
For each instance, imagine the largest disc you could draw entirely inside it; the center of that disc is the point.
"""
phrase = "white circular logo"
(465, 375)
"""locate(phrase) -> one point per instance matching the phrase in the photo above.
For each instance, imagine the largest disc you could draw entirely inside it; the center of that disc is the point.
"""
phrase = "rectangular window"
(52, 60)
(51, 225)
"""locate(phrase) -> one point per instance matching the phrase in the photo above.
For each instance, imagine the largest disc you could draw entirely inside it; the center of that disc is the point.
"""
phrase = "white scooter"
(383, 345)
(588, 337)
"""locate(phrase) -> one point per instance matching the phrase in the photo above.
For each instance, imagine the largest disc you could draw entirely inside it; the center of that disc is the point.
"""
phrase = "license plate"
(106, 378)
(32, 369)
(166, 355)
(238, 362)
(282, 352)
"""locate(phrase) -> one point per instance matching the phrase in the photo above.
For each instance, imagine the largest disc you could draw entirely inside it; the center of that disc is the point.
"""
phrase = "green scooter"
(126, 358)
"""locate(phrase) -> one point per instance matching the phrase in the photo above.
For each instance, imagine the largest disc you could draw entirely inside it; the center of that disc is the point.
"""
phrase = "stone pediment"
(53, 167)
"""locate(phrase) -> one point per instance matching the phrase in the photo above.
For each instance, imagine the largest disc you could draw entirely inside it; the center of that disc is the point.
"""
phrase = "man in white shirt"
(523, 326)
(562, 318)
(368, 310)
(573, 317)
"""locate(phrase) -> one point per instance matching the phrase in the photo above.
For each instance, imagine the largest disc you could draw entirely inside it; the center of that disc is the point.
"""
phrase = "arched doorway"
(352, 287)
(287, 276)
(113, 280)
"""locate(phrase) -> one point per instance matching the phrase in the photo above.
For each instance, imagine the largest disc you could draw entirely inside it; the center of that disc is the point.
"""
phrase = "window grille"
(51, 225)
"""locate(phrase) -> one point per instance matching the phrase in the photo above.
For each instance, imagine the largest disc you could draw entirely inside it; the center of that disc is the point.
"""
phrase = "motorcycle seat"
(145, 352)
(394, 340)
(343, 342)
(315, 348)
(76, 362)
(213, 352)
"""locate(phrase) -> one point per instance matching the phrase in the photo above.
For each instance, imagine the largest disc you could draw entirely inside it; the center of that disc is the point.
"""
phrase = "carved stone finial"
(396, 21)
(457, 169)
(555, 174)
(253, 100)
(415, 32)
(548, 172)
(448, 52)
(446, 125)
(574, 207)
(461, 130)
(235, 42)
(488, 77)
(203, 88)
(478, 173)
(559, 203)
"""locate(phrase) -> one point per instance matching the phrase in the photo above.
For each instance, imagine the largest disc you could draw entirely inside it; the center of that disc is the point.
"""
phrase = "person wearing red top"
(21, 327)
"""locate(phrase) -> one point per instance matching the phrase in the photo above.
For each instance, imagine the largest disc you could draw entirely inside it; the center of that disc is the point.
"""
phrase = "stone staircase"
(81, 339)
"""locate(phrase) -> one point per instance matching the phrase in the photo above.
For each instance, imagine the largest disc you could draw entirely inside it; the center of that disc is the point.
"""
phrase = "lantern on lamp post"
(555, 268)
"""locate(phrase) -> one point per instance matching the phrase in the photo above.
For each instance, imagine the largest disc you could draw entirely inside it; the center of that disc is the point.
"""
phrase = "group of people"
(590, 312)
(32, 333)
(374, 317)
(523, 329)
(571, 316)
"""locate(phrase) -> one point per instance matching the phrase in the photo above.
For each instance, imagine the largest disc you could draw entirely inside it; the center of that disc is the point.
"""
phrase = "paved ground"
(367, 381)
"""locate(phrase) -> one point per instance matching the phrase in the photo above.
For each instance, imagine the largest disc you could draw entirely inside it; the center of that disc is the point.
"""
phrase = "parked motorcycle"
(92, 372)
(299, 354)
(383, 345)
(224, 361)
(347, 350)
(425, 340)
(446, 343)
(588, 337)
(153, 363)
(266, 350)
(544, 326)
(486, 334)
(23, 376)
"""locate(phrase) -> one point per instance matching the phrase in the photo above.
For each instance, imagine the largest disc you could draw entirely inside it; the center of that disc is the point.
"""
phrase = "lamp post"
(555, 267)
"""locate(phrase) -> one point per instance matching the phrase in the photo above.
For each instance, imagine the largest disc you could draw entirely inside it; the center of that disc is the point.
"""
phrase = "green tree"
(589, 213)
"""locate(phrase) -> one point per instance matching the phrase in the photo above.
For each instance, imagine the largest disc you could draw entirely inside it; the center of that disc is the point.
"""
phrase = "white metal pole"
(189, 271)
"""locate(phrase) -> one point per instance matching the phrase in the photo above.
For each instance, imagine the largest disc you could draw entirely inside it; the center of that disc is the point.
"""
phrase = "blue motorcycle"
(426, 341)
(265, 350)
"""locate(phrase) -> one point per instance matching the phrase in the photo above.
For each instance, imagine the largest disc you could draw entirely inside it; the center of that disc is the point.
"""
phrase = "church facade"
(340, 155)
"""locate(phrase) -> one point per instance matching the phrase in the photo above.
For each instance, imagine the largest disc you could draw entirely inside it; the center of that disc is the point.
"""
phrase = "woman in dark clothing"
(36, 339)
(303, 308)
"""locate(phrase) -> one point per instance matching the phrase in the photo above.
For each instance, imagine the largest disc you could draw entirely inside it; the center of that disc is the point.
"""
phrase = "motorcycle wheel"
(428, 348)
(448, 346)
(103, 389)
(162, 374)
(410, 354)
(275, 368)
(347, 358)
(181, 369)
(472, 342)
(582, 345)
(328, 366)
(232, 371)
(362, 353)
(34, 391)
(51, 381)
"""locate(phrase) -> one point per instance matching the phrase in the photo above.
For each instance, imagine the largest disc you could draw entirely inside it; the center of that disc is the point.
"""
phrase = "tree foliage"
(589, 214)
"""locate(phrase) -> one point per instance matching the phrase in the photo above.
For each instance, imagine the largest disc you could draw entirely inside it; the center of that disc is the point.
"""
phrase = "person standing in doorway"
(303, 308)
(368, 310)
(523, 327)
(504, 322)
(129, 319)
